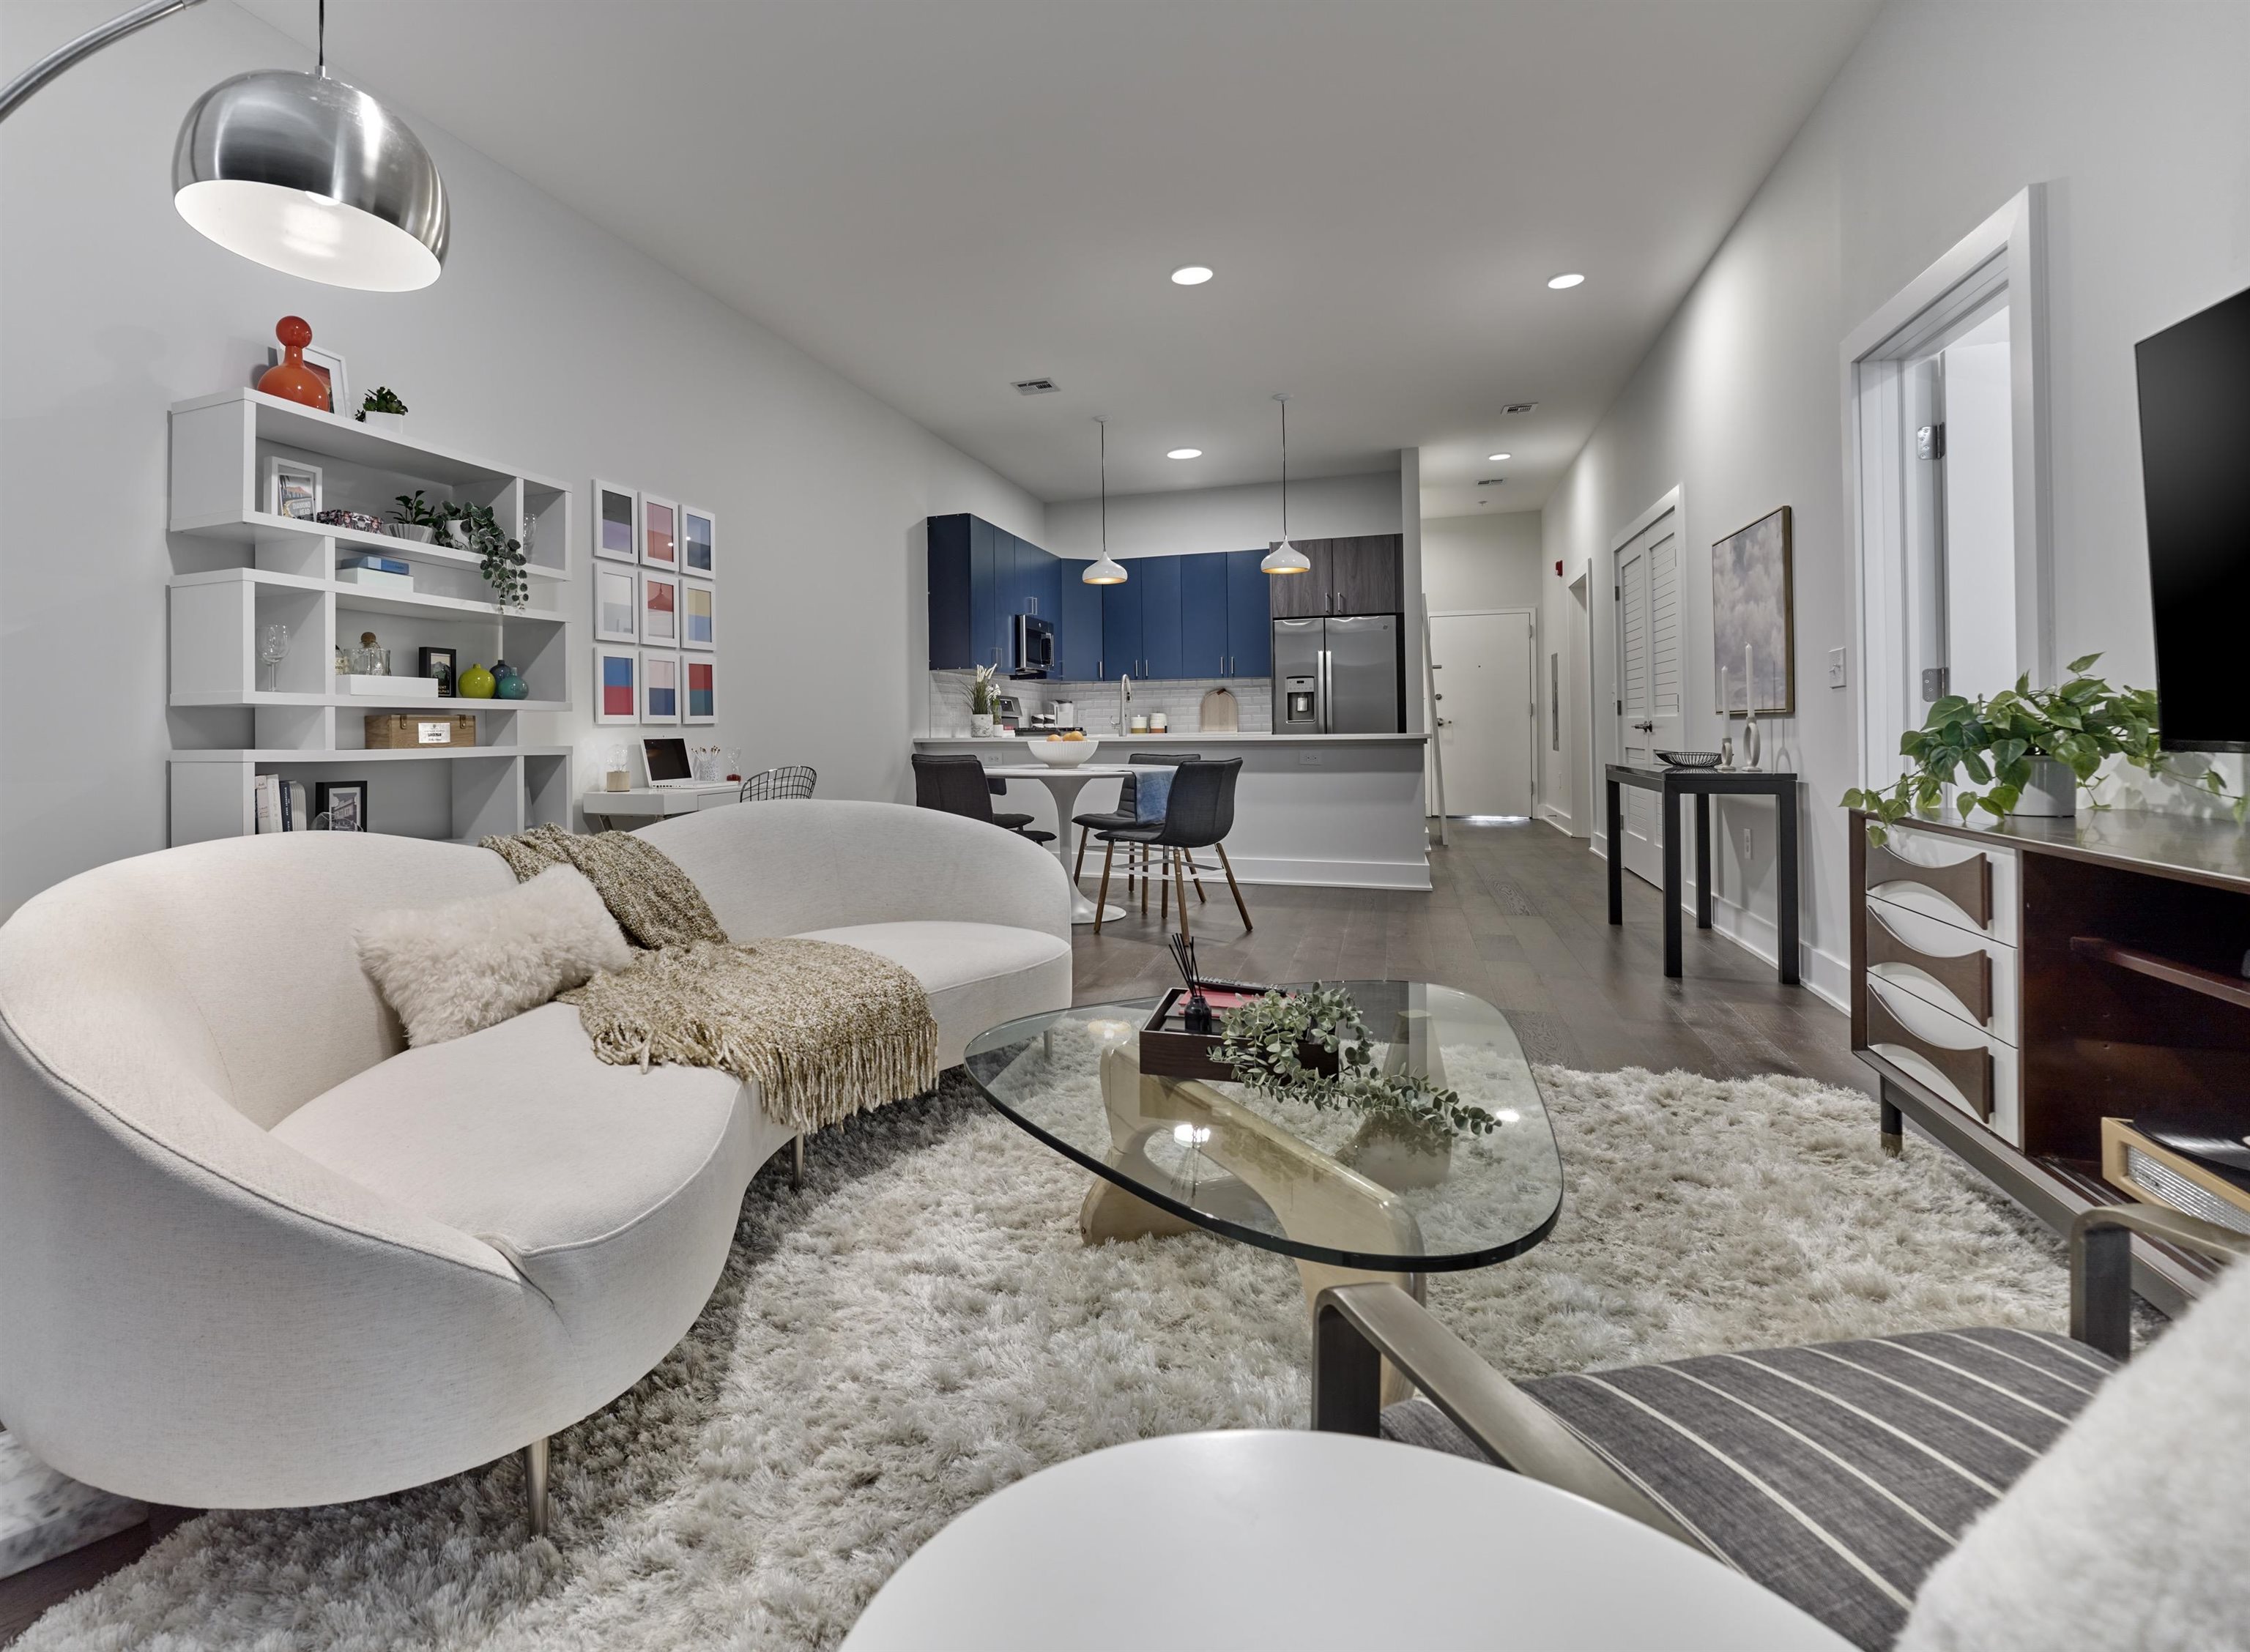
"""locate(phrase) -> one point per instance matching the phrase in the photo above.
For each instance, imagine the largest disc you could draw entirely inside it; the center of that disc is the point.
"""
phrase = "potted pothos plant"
(984, 700)
(500, 559)
(2024, 751)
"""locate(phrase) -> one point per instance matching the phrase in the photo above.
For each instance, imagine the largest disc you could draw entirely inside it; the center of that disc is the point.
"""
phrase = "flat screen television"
(2195, 475)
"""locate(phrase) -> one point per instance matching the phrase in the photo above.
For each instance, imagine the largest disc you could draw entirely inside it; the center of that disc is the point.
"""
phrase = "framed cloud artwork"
(698, 618)
(616, 522)
(617, 685)
(659, 533)
(617, 605)
(702, 703)
(659, 685)
(1753, 624)
(697, 552)
(660, 607)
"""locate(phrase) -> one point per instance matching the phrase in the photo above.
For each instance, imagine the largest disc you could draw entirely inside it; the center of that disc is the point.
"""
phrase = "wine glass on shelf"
(272, 648)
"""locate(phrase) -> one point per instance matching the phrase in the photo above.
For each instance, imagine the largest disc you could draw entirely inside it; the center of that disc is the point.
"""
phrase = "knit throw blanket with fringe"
(824, 1030)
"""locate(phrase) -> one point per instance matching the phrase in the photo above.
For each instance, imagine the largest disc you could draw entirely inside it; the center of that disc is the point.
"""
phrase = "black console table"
(1703, 784)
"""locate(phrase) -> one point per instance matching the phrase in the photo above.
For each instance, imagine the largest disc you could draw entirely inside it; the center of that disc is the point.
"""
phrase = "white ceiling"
(941, 197)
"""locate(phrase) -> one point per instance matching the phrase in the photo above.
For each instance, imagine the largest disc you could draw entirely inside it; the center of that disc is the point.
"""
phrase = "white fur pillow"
(450, 970)
(2129, 1531)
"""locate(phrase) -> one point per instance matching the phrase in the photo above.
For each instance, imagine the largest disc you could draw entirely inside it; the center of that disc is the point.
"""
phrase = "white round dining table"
(1064, 782)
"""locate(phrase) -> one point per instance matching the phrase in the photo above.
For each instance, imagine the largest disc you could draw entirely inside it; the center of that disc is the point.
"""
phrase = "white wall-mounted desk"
(624, 810)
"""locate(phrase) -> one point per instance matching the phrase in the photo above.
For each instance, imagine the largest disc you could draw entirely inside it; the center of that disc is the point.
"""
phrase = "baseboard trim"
(1333, 874)
(1824, 975)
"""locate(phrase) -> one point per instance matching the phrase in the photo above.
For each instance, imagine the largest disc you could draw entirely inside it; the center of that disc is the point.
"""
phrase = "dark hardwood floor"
(1518, 914)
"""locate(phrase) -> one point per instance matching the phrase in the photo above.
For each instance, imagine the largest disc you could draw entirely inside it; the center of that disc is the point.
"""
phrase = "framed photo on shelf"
(344, 801)
(659, 685)
(660, 607)
(617, 684)
(699, 617)
(444, 664)
(616, 522)
(702, 703)
(659, 533)
(326, 365)
(292, 488)
(697, 530)
(617, 605)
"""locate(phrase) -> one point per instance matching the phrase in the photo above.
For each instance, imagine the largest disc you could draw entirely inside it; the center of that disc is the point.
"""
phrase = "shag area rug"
(920, 1326)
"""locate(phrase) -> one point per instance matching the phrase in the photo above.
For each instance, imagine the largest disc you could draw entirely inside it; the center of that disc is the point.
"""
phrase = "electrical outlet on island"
(1747, 854)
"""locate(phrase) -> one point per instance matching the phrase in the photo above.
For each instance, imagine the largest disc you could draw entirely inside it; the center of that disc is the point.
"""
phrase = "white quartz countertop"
(1186, 734)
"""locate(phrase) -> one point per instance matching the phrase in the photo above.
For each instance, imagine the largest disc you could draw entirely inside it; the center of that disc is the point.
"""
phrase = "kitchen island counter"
(1340, 811)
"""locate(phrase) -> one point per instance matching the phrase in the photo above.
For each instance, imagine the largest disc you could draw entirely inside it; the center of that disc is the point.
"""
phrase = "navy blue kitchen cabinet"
(1121, 627)
(1203, 616)
(984, 591)
(1249, 616)
(952, 645)
(1159, 579)
(1078, 624)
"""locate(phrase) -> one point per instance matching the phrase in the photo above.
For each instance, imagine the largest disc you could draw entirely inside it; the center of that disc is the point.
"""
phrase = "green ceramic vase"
(477, 683)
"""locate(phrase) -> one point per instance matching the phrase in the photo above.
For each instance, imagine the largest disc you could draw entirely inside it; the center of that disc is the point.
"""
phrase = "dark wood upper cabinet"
(1366, 575)
(1303, 595)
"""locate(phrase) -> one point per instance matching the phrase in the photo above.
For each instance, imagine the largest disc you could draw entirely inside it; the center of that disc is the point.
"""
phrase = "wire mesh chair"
(772, 784)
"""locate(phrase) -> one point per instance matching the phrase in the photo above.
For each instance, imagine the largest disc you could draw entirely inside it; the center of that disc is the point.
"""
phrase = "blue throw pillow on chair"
(1151, 794)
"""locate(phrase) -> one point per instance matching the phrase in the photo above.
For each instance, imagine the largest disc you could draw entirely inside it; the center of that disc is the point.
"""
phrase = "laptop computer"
(667, 762)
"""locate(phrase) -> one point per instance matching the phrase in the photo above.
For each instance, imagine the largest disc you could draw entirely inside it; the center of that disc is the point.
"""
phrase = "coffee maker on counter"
(1007, 712)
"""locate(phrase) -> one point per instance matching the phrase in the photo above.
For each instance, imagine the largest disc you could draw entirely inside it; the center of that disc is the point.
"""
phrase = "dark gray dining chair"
(1197, 815)
(958, 786)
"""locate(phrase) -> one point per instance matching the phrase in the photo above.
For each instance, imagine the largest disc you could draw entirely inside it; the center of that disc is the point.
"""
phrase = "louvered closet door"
(1648, 678)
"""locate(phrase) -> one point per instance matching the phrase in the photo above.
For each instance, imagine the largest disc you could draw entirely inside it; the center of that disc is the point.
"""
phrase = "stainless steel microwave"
(1035, 646)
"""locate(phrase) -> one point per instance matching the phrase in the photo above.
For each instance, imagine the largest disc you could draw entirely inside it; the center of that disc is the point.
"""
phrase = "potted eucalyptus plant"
(2024, 751)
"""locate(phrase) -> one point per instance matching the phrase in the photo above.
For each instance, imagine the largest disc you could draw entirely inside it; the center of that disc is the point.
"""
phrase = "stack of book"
(282, 806)
(378, 573)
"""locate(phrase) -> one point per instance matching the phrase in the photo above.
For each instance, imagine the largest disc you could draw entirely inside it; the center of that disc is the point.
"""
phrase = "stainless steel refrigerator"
(1338, 676)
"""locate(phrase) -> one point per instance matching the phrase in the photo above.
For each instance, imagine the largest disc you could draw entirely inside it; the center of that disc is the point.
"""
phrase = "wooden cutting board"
(1222, 712)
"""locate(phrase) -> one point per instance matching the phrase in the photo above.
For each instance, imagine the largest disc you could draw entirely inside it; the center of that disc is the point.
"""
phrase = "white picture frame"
(699, 614)
(659, 533)
(659, 614)
(659, 685)
(617, 685)
(292, 488)
(699, 543)
(330, 367)
(699, 688)
(617, 537)
(616, 604)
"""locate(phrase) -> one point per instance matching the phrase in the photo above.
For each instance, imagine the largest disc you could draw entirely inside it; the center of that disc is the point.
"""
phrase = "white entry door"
(1485, 710)
(1648, 678)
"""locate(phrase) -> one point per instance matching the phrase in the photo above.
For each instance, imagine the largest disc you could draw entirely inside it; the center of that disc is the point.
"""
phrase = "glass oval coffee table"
(1347, 1196)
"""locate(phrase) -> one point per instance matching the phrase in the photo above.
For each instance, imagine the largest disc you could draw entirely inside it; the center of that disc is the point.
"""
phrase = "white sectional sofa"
(254, 1253)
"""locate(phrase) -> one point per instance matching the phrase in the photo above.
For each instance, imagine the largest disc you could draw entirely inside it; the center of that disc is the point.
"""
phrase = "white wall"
(1223, 519)
(547, 343)
(2132, 116)
(1491, 560)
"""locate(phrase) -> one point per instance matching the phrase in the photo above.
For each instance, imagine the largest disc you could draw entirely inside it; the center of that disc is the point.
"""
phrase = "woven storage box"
(393, 731)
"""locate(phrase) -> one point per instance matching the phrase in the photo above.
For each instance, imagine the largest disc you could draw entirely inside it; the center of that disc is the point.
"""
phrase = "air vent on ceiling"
(1520, 407)
(1492, 481)
(1036, 387)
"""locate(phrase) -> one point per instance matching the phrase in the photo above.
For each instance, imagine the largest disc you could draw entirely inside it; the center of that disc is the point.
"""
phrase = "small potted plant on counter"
(2030, 749)
(984, 694)
(416, 518)
(383, 410)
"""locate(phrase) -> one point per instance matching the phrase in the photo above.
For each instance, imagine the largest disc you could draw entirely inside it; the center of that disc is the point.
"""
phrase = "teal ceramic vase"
(507, 684)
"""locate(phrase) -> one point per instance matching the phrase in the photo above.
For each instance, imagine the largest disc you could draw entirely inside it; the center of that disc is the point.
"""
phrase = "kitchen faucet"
(1124, 703)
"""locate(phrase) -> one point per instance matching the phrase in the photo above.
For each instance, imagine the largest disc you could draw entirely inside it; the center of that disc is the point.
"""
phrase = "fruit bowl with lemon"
(1064, 751)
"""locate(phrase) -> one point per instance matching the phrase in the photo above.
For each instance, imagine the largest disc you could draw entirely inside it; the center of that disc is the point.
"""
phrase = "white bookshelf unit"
(238, 567)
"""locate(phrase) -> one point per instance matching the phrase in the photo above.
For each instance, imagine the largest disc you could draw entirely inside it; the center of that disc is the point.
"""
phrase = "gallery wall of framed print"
(659, 692)
(660, 607)
(617, 684)
(1751, 608)
(616, 522)
(699, 615)
(702, 705)
(659, 533)
(292, 488)
(698, 533)
(617, 605)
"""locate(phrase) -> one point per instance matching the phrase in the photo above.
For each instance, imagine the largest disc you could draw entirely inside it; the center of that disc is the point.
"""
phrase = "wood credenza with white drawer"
(2014, 986)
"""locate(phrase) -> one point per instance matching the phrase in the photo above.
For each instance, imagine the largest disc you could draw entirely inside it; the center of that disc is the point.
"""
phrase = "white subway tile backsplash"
(1180, 699)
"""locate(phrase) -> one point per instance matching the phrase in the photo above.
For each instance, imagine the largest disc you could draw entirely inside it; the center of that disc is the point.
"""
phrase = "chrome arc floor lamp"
(291, 168)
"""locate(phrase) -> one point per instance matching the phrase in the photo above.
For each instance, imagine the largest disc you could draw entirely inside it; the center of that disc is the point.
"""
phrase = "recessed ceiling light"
(1184, 453)
(1190, 275)
(1557, 282)
(1495, 458)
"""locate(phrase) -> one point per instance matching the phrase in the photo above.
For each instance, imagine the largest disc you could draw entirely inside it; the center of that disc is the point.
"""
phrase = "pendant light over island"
(1285, 558)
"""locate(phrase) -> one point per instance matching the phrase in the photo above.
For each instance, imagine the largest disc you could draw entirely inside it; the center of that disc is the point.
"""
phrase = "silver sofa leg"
(535, 1484)
(797, 1159)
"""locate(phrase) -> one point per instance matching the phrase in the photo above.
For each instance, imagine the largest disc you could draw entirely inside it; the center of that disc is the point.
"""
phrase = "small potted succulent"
(416, 518)
(383, 410)
(984, 696)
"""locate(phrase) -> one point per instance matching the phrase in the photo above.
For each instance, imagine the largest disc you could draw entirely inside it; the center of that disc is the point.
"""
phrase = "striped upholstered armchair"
(1837, 1475)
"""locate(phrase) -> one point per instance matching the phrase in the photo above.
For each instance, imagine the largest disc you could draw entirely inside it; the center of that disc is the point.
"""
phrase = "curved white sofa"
(254, 1253)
